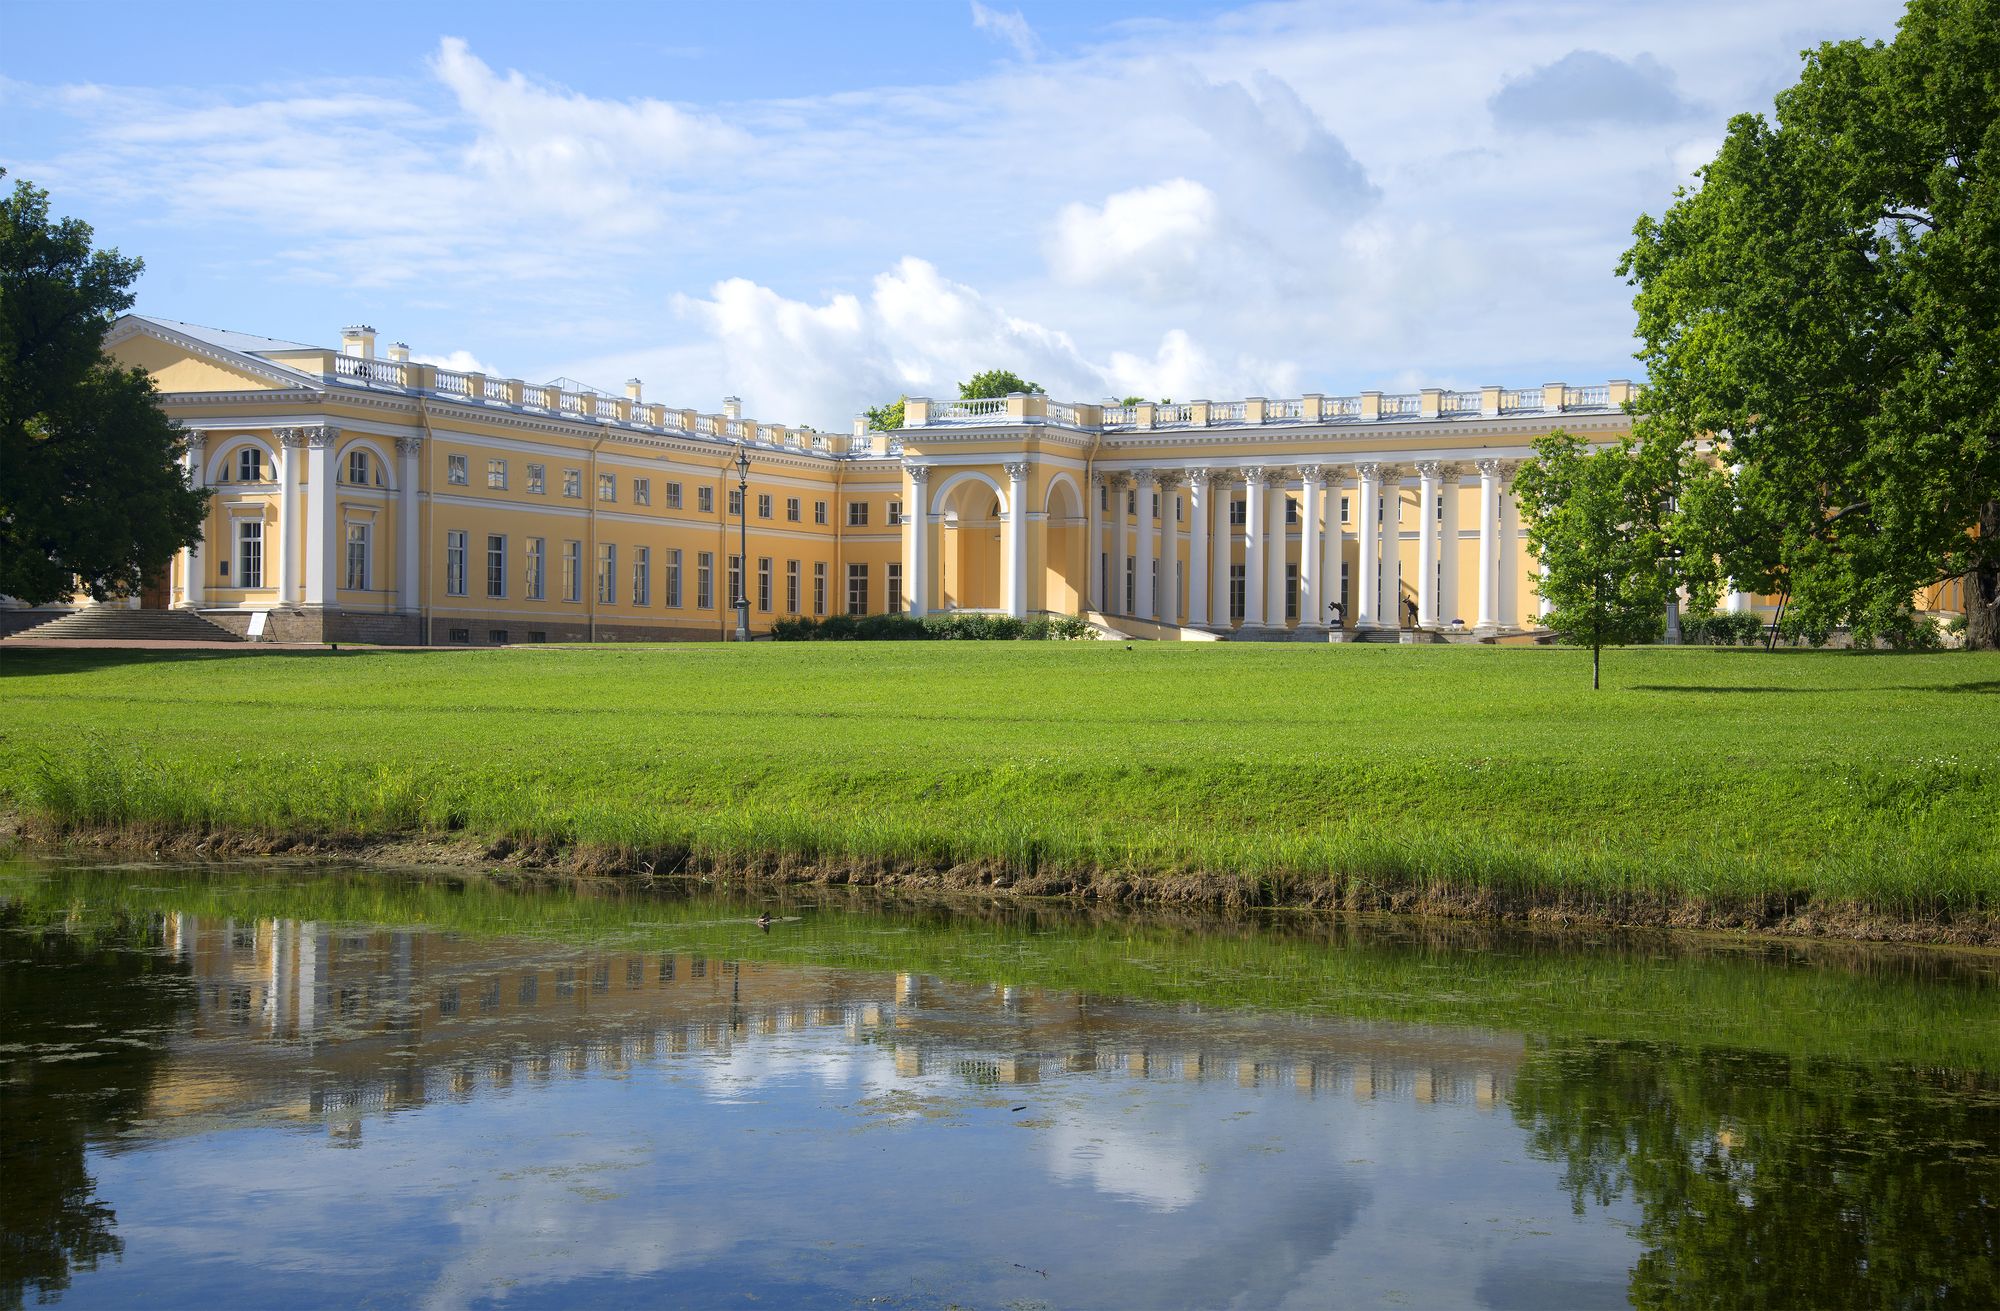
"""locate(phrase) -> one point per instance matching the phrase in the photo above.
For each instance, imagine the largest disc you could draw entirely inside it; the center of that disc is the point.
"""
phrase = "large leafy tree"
(994, 383)
(92, 491)
(1825, 311)
(1596, 521)
(887, 416)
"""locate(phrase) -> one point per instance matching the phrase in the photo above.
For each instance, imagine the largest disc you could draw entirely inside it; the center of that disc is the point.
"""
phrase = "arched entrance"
(969, 509)
(1065, 548)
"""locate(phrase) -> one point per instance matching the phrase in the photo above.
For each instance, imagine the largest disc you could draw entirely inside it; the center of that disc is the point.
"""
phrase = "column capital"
(291, 438)
(1143, 475)
(1490, 467)
(1114, 479)
(1368, 470)
(324, 434)
(1428, 469)
(1449, 473)
(919, 473)
(1312, 473)
(1199, 479)
(409, 445)
(1390, 472)
(1017, 470)
(1256, 475)
(195, 438)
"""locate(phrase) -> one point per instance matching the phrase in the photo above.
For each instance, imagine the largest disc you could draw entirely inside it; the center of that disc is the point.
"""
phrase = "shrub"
(1723, 630)
(941, 628)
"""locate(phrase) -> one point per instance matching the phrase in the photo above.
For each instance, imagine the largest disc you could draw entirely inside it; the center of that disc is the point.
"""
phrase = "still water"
(306, 1086)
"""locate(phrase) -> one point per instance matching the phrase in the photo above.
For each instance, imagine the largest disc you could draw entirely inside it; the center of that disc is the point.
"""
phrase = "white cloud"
(1587, 88)
(1148, 237)
(1009, 26)
(458, 361)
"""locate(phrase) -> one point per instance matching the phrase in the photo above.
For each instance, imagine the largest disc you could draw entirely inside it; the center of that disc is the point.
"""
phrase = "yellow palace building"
(368, 497)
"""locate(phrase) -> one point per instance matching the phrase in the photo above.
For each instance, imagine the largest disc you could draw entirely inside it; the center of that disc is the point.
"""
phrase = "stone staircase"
(111, 623)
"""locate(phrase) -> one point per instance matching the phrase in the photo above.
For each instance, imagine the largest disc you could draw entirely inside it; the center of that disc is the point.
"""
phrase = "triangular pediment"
(182, 363)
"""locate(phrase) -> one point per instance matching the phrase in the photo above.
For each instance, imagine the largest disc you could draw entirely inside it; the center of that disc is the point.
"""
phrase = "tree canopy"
(886, 416)
(994, 383)
(93, 489)
(1824, 309)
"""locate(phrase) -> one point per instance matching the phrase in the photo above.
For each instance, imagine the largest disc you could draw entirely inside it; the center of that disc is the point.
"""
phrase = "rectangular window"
(1132, 501)
(819, 512)
(819, 586)
(1131, 587)
(642, 491)
(1239, 513)
(357, 557)
(461, 636)
(496, 475)
(572, 571)
(538, 476)
(249, 465)
(895, 513)
(792, 509)
(496, 564)
(607, 574)
(764, 584)
(895, 597)
(857, 589)
(704, 581)
(607, 487)
(1343, 509)
(1178, 499)
(357, 468)
(250, 553)
(573, 484)
(735, 501)
(1103, 498)
(497, 636)
(673, 496)
(454, 470)
(704, 499)
(1344, 602)
(792, 585)
(763, 505)
(1236, 593)
(857, 514)
(735, 580)
(642, 575)
(673, 597)
(537, 572)
(1291, 510)
(1291, 591)
(454, 563)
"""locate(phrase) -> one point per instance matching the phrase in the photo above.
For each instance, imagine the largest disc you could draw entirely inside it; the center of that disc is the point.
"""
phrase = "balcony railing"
(1461, 402)
(1114, 415)
(968, 409)
(1515, 402)
(1278, 410)
(388, 372)
(1227, 411)
(1340, 407)
(1168, 416)
(1401, 407)
(496, 389)
(1586, 398)
(452, 384)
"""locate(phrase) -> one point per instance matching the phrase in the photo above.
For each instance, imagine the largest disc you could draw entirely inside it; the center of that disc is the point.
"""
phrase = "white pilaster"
(1147, 563)
(1255, 506)
(291, 514)
(1368, 534)
(409, 594)
(1017, 539)
(1449, 606)
(1489, 534)
(1427, 544)
(1312, 610)
(917, 589)
(193, 565)
(1275, 557)
(321, 548)
(1116, 551)
(1198, 548)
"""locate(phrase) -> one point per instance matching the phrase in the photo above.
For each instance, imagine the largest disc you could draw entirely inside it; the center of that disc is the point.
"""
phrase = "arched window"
(357, 467)
(250, 465)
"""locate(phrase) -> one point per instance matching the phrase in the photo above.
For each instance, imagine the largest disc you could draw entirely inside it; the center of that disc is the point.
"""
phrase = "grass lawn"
(1865, 780)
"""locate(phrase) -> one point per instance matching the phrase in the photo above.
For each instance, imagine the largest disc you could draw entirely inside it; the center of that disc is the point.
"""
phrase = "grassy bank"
(1717, 778)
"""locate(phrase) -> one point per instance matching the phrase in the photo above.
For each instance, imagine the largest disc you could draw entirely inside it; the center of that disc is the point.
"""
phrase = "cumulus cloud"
(1007, 25)
(458, 361)
(1147, 237)
(1586, 89)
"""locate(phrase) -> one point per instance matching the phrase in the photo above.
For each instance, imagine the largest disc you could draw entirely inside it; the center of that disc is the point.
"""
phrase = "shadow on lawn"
(25, 662)
(1987, 687)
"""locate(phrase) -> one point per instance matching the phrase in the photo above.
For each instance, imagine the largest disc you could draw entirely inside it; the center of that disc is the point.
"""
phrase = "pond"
(306, 1086)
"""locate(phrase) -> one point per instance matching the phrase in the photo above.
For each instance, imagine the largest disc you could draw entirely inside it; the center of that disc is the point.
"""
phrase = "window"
(763, 505)
(497, 636)
(461, 636)
(895, 601)
(1103, 498)
(1291, 591)
(454, 563)
(704, 581)
(250, 465)
(895, 513)
(704, 499)
(572, 571)
(537, 479)
(792, 584)
(1343, 509)
(250, 553)
(1343, 590)
(673, 597)
(819, 512)
(454, 470)
(357, 468)
(537, 551)
(496, 564)
(357, 557)
(1239, 513)
(607, 574)
(1132, 501)
(819, 586)
(642, 491)
(573, 484)
(792, 509)
(735, 580)
(673, 496)
(764, 584)
(1177, 507)
(642, 575)
(857, 589)
(1236, 593)
(1291, 510)
(496, 475)
(607, 487)
(857, 514)
(735, 501)
(538, 635)
(1440, 508)
(1131, 587)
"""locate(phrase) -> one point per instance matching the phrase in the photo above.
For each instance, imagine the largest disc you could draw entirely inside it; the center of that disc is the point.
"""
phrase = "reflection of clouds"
(827, 1060)
(1145, 1167)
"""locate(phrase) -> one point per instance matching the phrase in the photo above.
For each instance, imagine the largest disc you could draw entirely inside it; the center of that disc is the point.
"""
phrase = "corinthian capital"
(1018, 470)
(919, 473)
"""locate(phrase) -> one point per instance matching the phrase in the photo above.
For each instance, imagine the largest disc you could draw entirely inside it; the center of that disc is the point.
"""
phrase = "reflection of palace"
(394, 1018)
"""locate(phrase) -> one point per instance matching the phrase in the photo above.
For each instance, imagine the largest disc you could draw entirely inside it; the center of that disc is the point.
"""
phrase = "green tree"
(93, 488)
(1825, 310)
(887, 416)
(1596, 521)
(1132, 400)
(994, 383)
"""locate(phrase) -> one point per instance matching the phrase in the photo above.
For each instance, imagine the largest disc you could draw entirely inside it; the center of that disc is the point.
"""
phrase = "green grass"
(1717, 775)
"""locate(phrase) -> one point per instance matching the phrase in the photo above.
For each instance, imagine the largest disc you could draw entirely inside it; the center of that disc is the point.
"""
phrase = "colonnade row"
(307, 506)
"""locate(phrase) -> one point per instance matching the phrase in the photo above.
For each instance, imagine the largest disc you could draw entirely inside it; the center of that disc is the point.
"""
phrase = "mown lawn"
(1867, 779)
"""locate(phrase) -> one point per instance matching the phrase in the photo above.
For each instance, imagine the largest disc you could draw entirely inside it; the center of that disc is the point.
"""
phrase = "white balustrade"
(1586, 398)
(452, 384)
(1527, 398)
(496, 388)
(1460, 402)
(1120, 415)
(704, 425)
(606, 407)
(1169, 415)
(1226, 411)
(980, 409)
(1063, 413)
(1277, 410)
(1340, 407)
(1401, 406)
(389, 372)
(569, 402)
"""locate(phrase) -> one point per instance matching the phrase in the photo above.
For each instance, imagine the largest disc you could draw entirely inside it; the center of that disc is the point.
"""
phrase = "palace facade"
(368, 497)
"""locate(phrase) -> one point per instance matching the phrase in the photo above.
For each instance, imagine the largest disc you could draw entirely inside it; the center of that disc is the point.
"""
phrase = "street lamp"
(743, 550)
(1674, 600)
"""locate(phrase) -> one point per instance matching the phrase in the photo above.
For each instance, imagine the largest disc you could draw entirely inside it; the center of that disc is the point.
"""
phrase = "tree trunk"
(1982, 586)
(1596, 657)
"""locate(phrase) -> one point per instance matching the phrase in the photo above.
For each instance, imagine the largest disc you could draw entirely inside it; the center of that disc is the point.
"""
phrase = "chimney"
(860, 425)
(358, 339)
(633, 392)
(399, 351)
(732, 407)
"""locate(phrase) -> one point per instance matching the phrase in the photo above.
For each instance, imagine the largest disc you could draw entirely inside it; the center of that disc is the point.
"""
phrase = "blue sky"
(815, 206)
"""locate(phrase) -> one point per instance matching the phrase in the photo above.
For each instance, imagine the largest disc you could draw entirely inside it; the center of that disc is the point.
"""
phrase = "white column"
(291, 513)
(1427, 544)
(193, 565)
(1017, 539)
(1093, 560)
(1330, 541)
(1312, 610)
(1148, 560)
(917, 588)
(1389, 600)
(1735, 602)
(1508, 588)
(1115, 548)
(1545, 605)
(1275, 559)
(1170, 552)
(1489, 535)
(1367, 532)
(409, 594)
(1255, 506)
(320, 529)
(1220, 548)
(1449, 606)
(1198, 548)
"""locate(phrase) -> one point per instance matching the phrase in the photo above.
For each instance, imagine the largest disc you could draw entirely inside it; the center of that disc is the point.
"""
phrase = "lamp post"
(1674, 601)
(743, 550)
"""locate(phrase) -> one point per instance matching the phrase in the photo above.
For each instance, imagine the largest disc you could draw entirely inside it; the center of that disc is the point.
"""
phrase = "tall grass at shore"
(1699, 774)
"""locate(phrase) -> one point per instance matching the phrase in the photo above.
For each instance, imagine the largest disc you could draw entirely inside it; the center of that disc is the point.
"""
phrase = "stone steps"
(110, 623)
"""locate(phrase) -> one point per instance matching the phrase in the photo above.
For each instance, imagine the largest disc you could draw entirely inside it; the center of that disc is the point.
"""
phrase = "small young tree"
(994, 383)
(886, 417)
(1596, 521)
